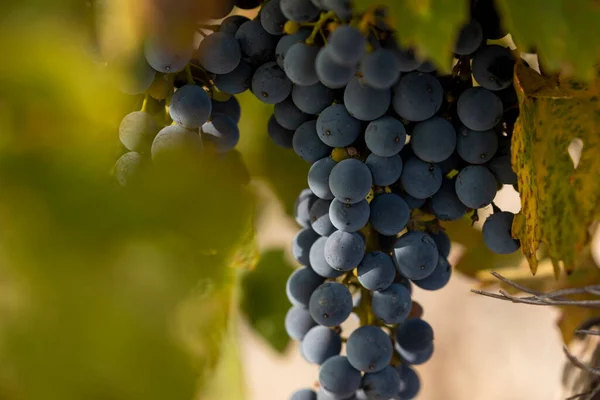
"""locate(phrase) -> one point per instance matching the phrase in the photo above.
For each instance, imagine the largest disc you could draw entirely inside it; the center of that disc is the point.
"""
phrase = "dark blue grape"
(347, 45)
(287, 41)
(299, 64)
(427, 67)
(393, 304)
(231, 108)
(137, 131)
(271, 17)
(306, 143)
(414, 341)
(380, 69)
(317, 260)
(270, 84)
(497, 234)
(232, 23)
(302, 206)
(165, 54)
(342, 8)
(338, 378)
(438, 278)
(479, 109)
(319, 218)
(349, 217)
(237, 81)
(298, 322)
(279, 135)
(288, 115)
(323, 395)
(302, 243)
(420, 179)
(318, 178)
(304, 394)
(330, 304)
(469, 39)
(415, 255)
(493, 67)
(312, 99)
(344, 250)
(222, 132)
(412, 202)
(300, 286)
(385, 136)
(410, 384)
(406, 57)
(366, 103)
(320, 344)
(418, 96)
(256, 43)
(330, 73)
(174, 142)
(475, 186)
(389, 214)
(336, 127)
(445, 204)
(502, 169)
(190, 106)
(433, 140)
(350, 181)
(385, 170)
(442, 241)
(219, 53)
(381, 385)
(299, 10)
(376, 271)
(127, 168)
(369, 349)
(476, 147)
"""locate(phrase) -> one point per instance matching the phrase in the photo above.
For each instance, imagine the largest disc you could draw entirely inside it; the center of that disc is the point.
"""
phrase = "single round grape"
(415, 255)
(420, 179)
(475, 186)
(349, 217)
(287, 41)
(302, 243)
(299, 10)
(222, 132)
(385, 136)
(167, 56)
(256, 43)
(174, 142)
(476, 147)
(320, 344)
(281, 137)
(438, 278)
(389, 214)
(318, 178)
(312, 99)
(493, 67)
(347, 45)
(385, 170)
(270, 84)
(299, 64)
(219, 53)
(236, 81)
(319, 217)
(410, 383)
(304, 394)
(497, 234)
(479, 109)
(369, 349)
(418, 96)
(336, 127)
(337, 377)
(344, 250)
(306, 143)
(433, 140)
(300, 286)
(350, 181)
(342, 8)
(330, 304)
(366, 103)
(231, 108)
(317, 260)
(469, 39)
(380, 69)
(501, 167)
(442, 241)
(393, 304)
(413, 337)
(190, 106)
(232, 23)
(128, 167)
(137, 131)
(376, 271)
(298, 322)
(330, 73)
(381, 385)
(302, 206)
(288, 115)
(445, 204)
(272, 18)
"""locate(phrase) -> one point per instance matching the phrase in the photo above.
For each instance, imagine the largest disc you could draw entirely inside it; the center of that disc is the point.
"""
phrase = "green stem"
(145, 103)
(318, 26)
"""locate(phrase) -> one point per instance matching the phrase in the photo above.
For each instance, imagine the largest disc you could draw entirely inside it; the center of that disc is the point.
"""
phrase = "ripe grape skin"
(223, 132)
(410, 383)
(420, 179)
(190, 106)
(330, 304)
(281, 136)
(300, 286)
(270, 84)
(475, 186)
(380, 69)
(137, 131)
(389, 214)
(414, 339)
(304, 394)
(174, 141)
(502, 169)
(393, 304)
(469, 39)
(445, 204)
(302, 243)
(366, 103)
(369, 349)
(302, 206)
(438, 278)
(342, 8)
(231, 108)
(320, 344)
(166, 57)
(127, 168)
(219, 53)
(318, 178)
(381, 385)
(493, 67)
(319, 217)
(417, 96)
(347, 45)
(344, 250)
(232, 23)
(288, 115)
(415, 255)
(287, 41)
(476, 147)
(376, 271)
(306, 143)
(298, 322)
(271, 17)
(336, 127)
(256, 43)
(350, 181)
(236, 81)
(337, 377)
(385, 170)
(433, 140)
(385, 136)
(299, 10)
(330, 73)
(317, 260)
(140, 75)
(349, 217)
(413, 202)
(442, 241)
(312, 99)
(299, 64)
(497, 234)
(479, 109)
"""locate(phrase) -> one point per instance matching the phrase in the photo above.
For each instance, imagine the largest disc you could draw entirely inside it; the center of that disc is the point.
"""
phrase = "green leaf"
(264, 301)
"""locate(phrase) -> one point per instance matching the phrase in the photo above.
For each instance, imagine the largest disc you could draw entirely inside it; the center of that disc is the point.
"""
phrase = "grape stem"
(145, 103)
(318, 26)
